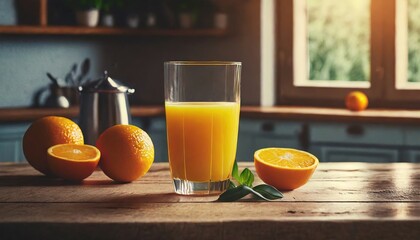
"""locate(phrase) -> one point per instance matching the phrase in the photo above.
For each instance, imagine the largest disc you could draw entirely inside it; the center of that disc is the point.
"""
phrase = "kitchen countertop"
(341, 201)
(275, 113)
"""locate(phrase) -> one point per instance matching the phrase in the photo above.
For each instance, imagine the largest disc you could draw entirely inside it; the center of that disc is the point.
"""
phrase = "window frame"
(382, 91)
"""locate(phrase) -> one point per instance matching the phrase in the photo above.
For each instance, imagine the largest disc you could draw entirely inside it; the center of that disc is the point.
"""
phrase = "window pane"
(413, 11)
(338, 35)
(407, 44)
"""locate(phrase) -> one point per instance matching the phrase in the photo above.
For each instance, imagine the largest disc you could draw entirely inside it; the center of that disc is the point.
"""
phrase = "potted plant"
(87, 12)
(132, 17)
(187, 13)
(108, 8)
(220, 15)
(149, 10)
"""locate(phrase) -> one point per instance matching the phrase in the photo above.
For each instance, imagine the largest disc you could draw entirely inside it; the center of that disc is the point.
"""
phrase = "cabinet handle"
(355, 130)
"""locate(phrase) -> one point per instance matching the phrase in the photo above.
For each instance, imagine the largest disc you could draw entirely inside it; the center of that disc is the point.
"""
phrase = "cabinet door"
(275, 141)
(249, 143)
(138, 122)
(157, 132)
(11, 142)
(354, 154)
(357, 134)
(159, 142)
(411, 155)
(9, 151)
(257, 134)
(245, 148)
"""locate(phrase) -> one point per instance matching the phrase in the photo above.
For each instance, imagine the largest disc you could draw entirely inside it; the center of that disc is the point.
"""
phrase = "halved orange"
(72, 161)
(284, 168)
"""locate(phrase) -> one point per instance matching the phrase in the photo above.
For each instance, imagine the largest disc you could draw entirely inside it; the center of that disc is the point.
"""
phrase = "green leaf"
(268, 192)
(231, 185)
(246, 177)
(259, 195)
(234, 194)
(235, 173)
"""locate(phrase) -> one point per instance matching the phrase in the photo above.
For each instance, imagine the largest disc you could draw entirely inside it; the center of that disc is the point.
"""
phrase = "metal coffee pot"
(103, 103)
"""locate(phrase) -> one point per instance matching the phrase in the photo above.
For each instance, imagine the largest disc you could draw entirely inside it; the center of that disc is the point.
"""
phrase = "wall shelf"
(36, 22)
(74, 30)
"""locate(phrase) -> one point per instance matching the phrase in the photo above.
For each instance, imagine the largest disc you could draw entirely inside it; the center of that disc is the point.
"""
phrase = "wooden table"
(341, 201)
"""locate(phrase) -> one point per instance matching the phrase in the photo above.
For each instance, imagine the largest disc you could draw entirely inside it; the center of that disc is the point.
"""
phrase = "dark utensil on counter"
(71, 76)
(59, 95)
(52, 78)
(84, 71)
(73, 73)
(103, 103)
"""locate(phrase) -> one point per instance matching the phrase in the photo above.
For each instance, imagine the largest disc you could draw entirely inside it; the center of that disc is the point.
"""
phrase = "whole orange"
(44, 133)
(127, 152)
(356, 101)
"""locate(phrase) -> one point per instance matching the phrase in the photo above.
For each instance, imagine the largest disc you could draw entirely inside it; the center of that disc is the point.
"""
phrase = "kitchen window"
(408, 39)
(327, 48)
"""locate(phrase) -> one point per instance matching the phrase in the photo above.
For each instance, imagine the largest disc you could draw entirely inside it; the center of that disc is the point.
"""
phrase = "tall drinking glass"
(202, 103)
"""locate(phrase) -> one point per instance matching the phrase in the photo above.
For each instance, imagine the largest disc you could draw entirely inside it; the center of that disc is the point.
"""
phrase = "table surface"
(341, 201)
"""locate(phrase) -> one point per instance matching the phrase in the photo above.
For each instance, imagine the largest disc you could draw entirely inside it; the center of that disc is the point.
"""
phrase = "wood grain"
(341, 201)
(43, 12)
(330, 183)
(134, 223)
(30, 114)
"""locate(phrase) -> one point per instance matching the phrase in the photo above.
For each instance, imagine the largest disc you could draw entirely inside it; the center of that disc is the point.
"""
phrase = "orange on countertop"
(73, 161)
(284, 168)
(44, 133)
(356, 101)
(127, 152)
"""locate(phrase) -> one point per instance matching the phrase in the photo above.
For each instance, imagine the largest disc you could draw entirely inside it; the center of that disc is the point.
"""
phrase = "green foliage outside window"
(413, 8)
(339, 39)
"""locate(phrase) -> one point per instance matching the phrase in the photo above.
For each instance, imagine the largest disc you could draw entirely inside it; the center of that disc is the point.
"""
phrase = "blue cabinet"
(157, 132)
(138, 122)
(330, 142)
(356, 134)
(355, 154)
(257, 134)
(411, 155)
(341, 142)
(11, 142)
(411, 151)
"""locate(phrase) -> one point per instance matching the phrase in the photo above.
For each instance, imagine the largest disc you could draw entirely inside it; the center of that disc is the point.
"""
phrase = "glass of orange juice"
(202, 104)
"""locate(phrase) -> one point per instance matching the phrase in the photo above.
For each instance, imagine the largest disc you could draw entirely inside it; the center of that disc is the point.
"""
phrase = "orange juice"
(202, 138)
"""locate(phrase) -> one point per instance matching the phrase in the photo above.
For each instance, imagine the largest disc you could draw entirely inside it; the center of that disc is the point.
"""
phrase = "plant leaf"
(234, 194)
(259, 195)
(235, 172)
(268, 191)
(246, 178)
(231, 185)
